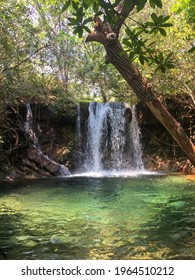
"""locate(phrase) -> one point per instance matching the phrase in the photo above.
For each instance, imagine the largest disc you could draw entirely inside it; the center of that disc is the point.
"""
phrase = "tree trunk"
(140, 85)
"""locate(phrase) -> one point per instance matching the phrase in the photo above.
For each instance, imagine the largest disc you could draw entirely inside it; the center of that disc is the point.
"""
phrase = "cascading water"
(112, 138)
(135, 141)
(28, 126)
(35, 152)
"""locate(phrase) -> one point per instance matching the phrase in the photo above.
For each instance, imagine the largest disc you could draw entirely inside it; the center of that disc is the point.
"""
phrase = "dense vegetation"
(44, 55)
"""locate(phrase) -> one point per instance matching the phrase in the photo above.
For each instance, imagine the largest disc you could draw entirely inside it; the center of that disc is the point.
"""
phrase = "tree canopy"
(43, 50)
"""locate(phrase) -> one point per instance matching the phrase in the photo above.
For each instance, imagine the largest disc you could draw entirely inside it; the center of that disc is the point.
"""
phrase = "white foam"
(122, 174)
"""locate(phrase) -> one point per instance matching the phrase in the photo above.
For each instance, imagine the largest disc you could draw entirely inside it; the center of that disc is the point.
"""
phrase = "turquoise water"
(141, 217)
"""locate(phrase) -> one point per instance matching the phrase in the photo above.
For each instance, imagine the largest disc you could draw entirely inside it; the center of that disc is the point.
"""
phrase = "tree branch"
(122, 11)
(102, 31)
(24, 60)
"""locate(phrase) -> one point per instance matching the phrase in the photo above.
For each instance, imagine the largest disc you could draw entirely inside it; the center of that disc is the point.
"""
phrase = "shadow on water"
(21, 244)
(169, 235)
(23, 237)
(8, 224)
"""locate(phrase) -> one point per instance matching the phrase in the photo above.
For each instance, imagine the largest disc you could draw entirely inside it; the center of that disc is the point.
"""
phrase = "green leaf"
(142, 59)
(127, 43)
(151, 43)
(169, 56)
(110, 15)
(72, 21)
(96, 7)
(128, 32)
(65, 7)
(161, 56)
(155, 18)
(170, 65)
(75, 6)
(167, 25)
(127, 5)
(88, 3)
(191, 50)
(78, 30)
(163, 69)
(138, 49)
(158, 3)
(150, 23)
(162, 32)
(86, 28)
(158, 58)
(154, 30)
(160, 19)
(165, 18)
(154, 3)
(132, 56)
(75, 31)
(90, 19)
(141, 5)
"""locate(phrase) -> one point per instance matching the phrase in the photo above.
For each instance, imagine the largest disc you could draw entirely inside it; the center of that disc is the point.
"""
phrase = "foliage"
(187, 7)
(41, 57)
(134, 44)
(179, 80)
(44, 56)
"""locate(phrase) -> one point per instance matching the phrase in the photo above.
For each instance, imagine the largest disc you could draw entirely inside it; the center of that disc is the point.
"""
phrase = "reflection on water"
(143, 217)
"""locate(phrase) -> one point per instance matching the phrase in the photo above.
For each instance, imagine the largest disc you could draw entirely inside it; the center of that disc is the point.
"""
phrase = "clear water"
(132, 217)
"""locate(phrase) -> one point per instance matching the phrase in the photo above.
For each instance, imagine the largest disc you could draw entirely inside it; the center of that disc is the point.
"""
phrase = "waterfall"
(112, 138)
(28, 126)
(35, 153)
(78, 133)
(135, 141)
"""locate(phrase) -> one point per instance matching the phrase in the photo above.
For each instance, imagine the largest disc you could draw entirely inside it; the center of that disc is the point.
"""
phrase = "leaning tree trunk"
(103, 34)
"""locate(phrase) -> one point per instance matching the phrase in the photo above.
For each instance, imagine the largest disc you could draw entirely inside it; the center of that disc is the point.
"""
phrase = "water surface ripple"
(113, 217)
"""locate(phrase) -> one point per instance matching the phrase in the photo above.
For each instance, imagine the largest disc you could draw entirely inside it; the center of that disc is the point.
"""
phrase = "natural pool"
(80, 217)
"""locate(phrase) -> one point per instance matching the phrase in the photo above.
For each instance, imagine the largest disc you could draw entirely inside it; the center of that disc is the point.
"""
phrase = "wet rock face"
(43, 161)
(160, 150)
(55, 132)
(46, 136)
